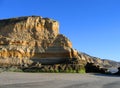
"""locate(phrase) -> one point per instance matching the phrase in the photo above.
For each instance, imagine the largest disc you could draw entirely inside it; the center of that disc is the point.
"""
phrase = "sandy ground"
(57, 80)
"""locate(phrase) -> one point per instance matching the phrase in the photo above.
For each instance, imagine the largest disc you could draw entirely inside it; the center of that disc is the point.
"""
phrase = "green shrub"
(81, 71)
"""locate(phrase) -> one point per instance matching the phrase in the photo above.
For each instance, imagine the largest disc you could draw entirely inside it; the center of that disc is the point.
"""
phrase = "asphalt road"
(57, 80)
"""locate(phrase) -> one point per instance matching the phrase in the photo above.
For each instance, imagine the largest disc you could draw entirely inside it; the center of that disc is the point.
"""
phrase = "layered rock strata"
(26, 40)
(36, 41)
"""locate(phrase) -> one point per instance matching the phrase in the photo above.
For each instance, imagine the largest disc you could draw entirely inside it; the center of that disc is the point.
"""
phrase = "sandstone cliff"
(26, 40)
(104, 63)
(35, 40)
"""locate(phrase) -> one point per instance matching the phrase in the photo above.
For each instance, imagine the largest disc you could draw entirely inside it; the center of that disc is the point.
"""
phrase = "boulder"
(117, 73)
(92, 68)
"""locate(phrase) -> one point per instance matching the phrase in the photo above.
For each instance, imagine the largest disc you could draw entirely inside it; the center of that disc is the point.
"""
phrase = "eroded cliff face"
(26, 40)
(35, 40)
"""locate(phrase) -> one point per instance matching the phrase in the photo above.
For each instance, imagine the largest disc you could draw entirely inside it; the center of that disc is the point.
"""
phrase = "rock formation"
(91, 67)
(117, 73)
(33, 40)
(26, 40)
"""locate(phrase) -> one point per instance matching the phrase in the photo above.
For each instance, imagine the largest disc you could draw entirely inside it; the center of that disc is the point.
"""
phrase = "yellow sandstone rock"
(29, 39)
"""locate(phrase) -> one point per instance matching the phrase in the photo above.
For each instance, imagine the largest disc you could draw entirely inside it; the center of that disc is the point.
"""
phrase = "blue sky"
(93, 26)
